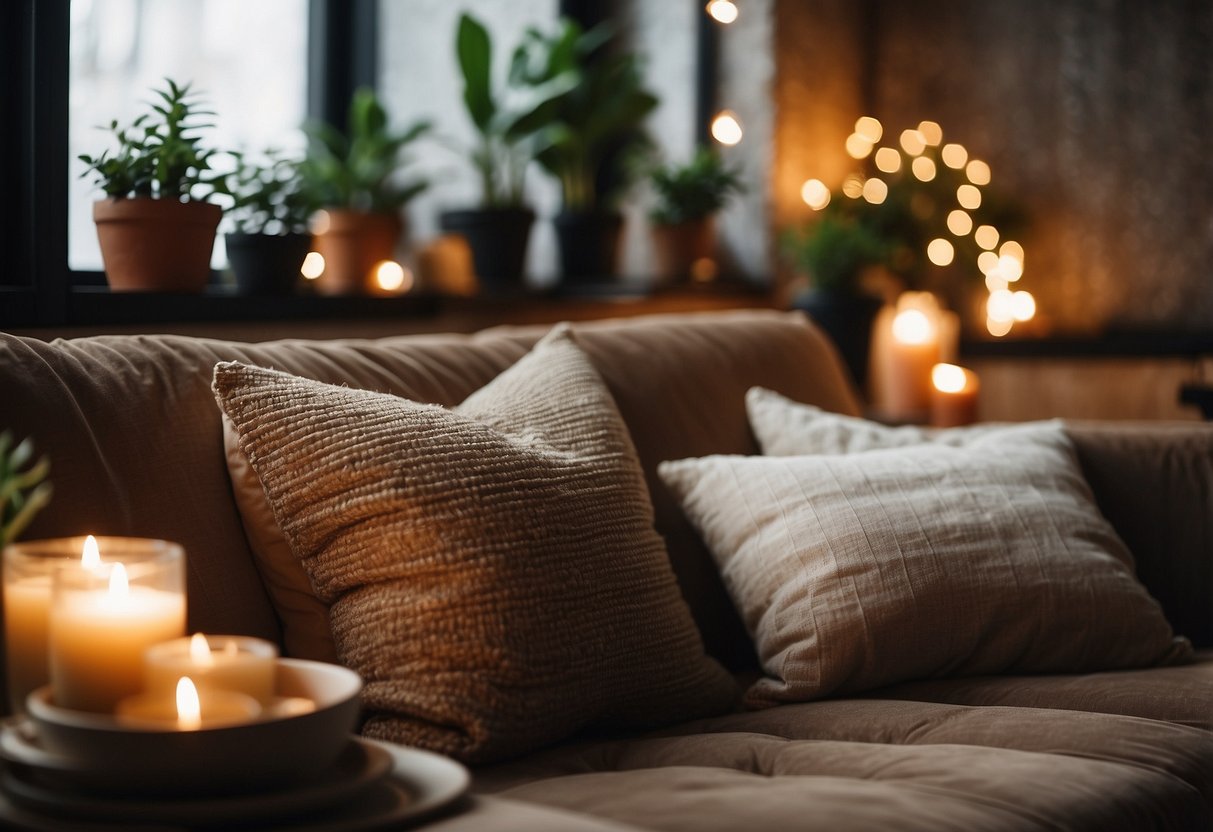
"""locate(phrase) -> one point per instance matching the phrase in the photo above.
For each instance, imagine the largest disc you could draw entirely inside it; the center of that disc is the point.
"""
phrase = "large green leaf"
(475, 52)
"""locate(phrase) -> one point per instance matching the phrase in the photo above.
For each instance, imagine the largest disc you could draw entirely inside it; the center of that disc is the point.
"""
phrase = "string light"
(723, 11)
(815, 194)
(726, 129)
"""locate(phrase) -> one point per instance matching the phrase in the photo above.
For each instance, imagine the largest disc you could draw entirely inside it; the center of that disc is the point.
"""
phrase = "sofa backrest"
(136, 441)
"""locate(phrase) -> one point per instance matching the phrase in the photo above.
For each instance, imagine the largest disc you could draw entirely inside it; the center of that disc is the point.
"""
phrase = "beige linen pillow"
(859, 570)
(492, 571)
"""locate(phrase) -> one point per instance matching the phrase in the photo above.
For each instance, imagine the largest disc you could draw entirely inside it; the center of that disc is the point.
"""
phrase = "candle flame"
(119, 585)
(948, 378)
(912, 326)
(189, 709)
(90, 558)
(200, 650)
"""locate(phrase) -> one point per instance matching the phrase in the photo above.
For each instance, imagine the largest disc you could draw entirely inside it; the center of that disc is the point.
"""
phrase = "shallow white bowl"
(99, 753)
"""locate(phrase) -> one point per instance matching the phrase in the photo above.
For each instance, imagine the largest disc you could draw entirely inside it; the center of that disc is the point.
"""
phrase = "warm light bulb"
(888, 160)
(90, 557)
(1010, 268)
(815, 194)
(940, 252)
(912, 326)
(726, 129)
(1023, 305)
(959, 222)
(978, 172)
(1012, 249)
(858, 147)
(390, 276)
(912, 142)
(189, 709)
(932, 133)
(924, 168)
(986, 236)
(987, 261)
(875, 191)
(969, 197)
(870, 128)
(997, 328)
(723, 11)
(313, 265)
(954, 155)
(852, 186)
(1000, 306)
(948, 378)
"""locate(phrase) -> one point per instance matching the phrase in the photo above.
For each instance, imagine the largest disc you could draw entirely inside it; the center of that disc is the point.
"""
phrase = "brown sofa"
(132, 427)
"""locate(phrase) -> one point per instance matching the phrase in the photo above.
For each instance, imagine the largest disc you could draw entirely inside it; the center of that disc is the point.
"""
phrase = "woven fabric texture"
(492, 570)
(860, 570)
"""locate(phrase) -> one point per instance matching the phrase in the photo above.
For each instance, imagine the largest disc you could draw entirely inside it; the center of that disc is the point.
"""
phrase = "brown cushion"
(492, 571)
(859, 570)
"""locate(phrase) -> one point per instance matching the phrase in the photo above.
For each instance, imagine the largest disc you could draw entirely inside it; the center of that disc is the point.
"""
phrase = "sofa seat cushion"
(882, 764)
(1181, 693)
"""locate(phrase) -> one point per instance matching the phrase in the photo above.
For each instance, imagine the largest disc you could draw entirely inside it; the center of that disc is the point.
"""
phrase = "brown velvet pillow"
(858, 570)
(492, 571)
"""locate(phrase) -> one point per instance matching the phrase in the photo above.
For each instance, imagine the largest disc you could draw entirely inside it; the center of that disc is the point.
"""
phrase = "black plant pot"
(847, 318)
(498, 239)
(589, 244)
(267, 264)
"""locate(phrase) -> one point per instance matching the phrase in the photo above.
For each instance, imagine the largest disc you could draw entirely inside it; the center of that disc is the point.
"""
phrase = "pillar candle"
(954, 392)
(232, 663)
(104, 618)
(908, 339)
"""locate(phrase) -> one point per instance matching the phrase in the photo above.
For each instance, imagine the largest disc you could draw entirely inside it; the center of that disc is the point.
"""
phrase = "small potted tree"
(688, 198)
(590, 145)
(155, 226)
(354, 177)
(269, 215)
(506, 121)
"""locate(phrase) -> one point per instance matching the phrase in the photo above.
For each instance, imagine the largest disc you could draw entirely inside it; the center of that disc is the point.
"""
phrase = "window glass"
(248, 59)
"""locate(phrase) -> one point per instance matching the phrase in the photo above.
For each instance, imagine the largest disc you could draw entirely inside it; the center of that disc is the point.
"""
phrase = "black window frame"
(37, 286)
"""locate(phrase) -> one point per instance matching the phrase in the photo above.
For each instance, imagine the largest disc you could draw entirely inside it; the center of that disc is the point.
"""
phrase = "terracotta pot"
(677, 247)
(158, 245)
(352, 243)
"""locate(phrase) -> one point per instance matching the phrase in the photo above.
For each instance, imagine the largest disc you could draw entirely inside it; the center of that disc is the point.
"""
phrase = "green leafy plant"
(267, 196)
(160, 154)
(24, 490)
(694, 190)
(506, 119)
(596, 128)
(834, 251)
(360, 169)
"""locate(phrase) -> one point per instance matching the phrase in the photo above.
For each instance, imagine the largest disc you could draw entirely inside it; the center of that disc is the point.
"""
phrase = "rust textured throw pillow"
(492, 571)
(853, 571)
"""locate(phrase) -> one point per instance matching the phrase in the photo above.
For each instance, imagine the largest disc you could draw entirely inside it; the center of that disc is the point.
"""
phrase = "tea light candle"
(954, 393)
(103, 618)
(187, 708)
(232, 663)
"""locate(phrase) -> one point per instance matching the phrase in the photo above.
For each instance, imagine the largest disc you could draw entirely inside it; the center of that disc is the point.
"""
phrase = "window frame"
(40, 289)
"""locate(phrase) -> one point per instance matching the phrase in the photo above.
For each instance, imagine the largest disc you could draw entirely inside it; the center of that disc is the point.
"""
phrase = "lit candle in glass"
(233, 663)
(953, 396)
(104, 617)
(187, 708)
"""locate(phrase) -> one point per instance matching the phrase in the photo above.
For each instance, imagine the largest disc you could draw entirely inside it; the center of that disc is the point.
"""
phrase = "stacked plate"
(63, 770)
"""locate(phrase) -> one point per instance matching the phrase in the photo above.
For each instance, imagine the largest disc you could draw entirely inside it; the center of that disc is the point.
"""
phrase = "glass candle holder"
(238, 664)
(28, 568)
(104, 616)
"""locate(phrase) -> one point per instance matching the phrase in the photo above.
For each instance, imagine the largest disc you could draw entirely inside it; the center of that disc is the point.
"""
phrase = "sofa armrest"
(1154, 483)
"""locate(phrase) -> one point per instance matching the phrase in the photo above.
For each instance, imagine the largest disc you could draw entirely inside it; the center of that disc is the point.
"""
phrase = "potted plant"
(688, 198)
(596, 129)
(506, 121)
(355, 179)
(834, 253)
(269, 214)
(155, 226)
